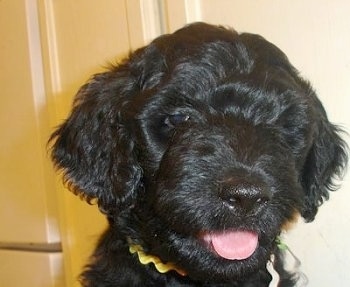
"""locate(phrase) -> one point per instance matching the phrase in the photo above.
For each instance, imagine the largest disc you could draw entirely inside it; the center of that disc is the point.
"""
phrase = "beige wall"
(315, 34)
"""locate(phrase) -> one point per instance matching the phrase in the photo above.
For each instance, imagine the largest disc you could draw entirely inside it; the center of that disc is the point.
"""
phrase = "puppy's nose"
(244, 195)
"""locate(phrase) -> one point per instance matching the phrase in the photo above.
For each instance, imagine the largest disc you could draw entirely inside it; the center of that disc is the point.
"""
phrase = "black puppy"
(199, 148)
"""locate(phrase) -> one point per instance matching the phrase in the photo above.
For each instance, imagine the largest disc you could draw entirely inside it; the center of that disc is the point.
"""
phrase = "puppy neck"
(158, 264)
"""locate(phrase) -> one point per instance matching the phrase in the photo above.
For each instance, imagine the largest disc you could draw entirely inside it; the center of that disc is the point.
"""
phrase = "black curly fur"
(157, 138)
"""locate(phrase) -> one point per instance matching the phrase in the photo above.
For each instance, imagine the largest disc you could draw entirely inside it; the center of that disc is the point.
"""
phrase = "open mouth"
(231, 244)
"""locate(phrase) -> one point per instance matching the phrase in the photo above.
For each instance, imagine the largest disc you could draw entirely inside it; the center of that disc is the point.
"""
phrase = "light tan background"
(49, 48)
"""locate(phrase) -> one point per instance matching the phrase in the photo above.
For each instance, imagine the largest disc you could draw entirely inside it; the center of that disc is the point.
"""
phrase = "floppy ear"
(325, 163)
(94, 148)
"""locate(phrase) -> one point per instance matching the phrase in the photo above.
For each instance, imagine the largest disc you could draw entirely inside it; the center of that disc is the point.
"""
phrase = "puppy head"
(207, 127)
(95, 147)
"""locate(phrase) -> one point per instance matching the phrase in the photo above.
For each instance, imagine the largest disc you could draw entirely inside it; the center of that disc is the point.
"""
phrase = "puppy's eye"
(176, 119)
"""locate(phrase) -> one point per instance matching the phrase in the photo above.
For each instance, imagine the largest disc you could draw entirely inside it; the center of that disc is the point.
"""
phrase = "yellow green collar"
(166, 267)
(280, 244)
(159, 265)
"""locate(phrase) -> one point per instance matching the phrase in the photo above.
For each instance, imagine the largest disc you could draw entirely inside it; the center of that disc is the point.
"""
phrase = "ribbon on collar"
(158, 264)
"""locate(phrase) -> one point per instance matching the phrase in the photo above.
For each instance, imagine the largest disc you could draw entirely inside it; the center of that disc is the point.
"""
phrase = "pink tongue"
(235, 245)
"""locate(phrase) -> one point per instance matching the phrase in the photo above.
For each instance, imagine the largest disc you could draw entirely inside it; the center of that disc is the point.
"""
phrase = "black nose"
(244, 195)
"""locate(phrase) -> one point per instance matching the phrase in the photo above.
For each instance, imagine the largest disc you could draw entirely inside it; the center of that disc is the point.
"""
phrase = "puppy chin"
(223, 270)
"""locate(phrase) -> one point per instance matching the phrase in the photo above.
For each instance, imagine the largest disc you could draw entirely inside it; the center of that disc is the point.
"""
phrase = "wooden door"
(80, 38)
(30, 252)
